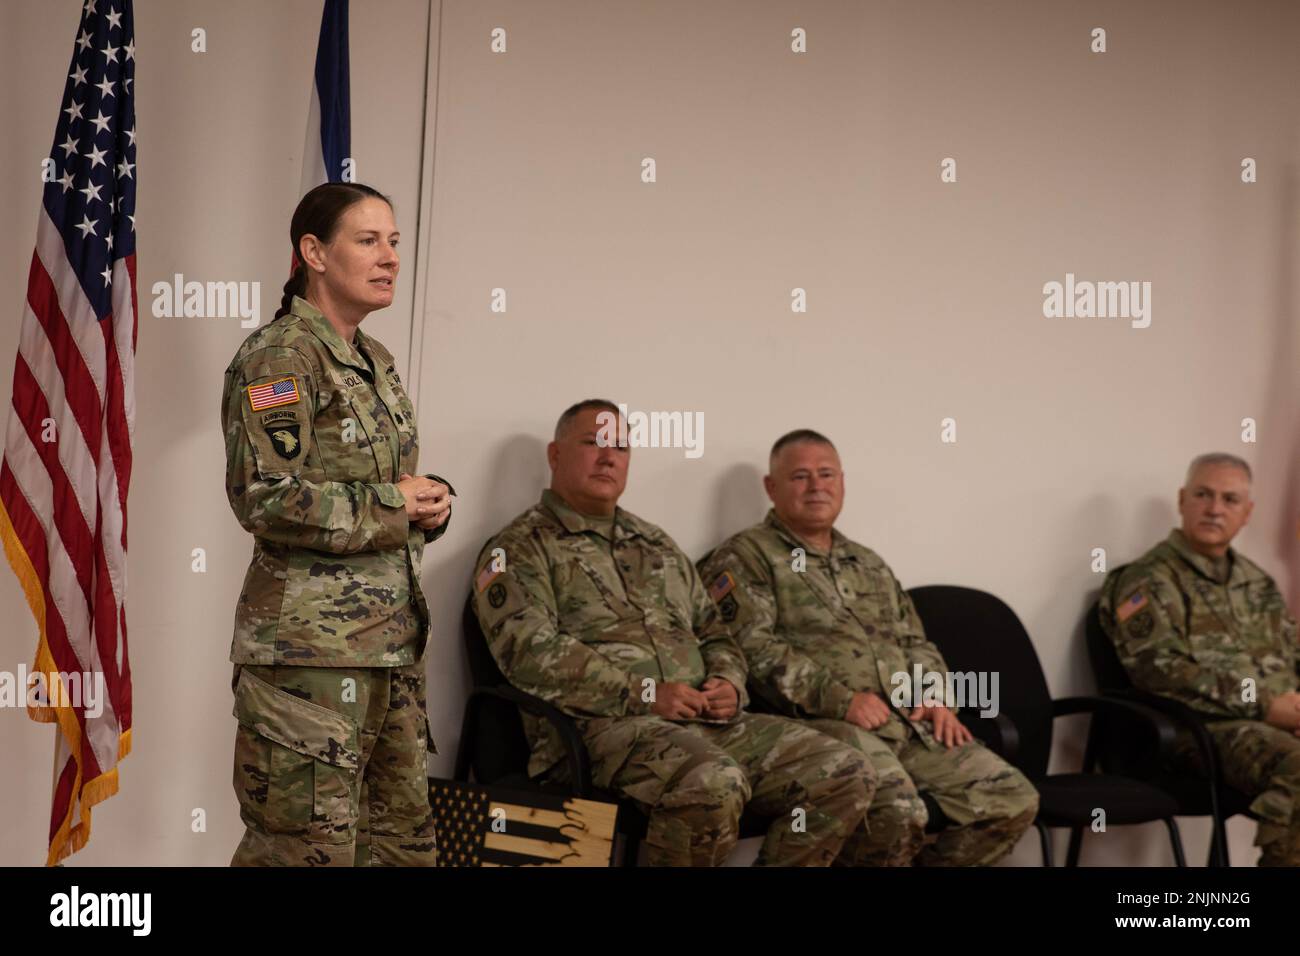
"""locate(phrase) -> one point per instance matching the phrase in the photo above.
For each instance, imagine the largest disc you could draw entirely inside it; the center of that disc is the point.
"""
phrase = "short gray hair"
(573, 411)
(1216, 458)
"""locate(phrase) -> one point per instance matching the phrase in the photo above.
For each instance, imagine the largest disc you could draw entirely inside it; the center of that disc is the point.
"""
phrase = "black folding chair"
(977, 632)
(494, 748)
(1197, 794)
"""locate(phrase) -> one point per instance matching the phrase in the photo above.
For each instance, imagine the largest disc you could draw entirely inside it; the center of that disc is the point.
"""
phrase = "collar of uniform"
(1204, 565)
(839, 543)
(575, 522)
(343, 353)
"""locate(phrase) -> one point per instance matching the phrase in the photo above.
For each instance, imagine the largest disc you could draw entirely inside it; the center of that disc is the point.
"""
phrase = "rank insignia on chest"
(722, 585)
(1130, 607)
(286, 439)
(283, 391)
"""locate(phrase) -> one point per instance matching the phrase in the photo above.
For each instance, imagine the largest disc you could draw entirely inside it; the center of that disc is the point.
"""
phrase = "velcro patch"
(722, 586)
(1130, 607)
(283, 391)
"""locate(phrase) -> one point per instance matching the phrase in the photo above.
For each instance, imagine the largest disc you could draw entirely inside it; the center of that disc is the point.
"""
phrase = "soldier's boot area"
(305, 738)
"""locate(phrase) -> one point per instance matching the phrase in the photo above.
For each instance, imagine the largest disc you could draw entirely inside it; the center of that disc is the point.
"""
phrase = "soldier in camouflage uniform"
(330, 764)
(1196, 621)
(826, 627)
(598, 612)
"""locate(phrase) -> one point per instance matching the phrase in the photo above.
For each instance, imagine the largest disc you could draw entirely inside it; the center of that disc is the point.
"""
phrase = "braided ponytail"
(296, 286)
(318, 214)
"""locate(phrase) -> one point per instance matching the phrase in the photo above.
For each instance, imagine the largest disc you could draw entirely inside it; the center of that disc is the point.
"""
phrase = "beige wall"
(775, 171)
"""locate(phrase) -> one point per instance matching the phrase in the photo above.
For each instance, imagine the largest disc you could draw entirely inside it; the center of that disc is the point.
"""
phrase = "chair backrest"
(497, 744)
(483, 669)
(977, 632)
(1112, 742)
(1106, 666)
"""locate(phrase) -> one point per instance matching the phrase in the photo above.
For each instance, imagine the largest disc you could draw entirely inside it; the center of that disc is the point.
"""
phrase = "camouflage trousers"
(1264, 761)
(693, 780)
(330, 766)
(990, 803)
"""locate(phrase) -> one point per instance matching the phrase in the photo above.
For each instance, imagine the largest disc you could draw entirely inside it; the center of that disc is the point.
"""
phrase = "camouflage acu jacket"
(816, 627)
(315, 441)
(582, 620)
(1215, 635)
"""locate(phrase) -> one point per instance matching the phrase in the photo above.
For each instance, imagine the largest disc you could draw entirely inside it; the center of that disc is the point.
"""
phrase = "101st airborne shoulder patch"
(285, 438)
(283, 391)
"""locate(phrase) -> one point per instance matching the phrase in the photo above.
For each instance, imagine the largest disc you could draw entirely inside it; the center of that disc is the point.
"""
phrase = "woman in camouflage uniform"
(330, 628)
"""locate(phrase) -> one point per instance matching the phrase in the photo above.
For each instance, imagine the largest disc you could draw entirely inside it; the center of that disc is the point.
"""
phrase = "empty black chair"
(1197, 794)
(977, 632)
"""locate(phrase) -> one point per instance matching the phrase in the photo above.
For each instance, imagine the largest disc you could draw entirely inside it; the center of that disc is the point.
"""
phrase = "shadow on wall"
(740, 503)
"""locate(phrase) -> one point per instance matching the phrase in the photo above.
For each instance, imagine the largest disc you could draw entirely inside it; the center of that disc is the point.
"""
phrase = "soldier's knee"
(717, 788)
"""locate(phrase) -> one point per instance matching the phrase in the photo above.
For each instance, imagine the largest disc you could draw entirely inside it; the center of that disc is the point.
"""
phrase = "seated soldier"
(826, 628)
(599, 613)
(1198, 622)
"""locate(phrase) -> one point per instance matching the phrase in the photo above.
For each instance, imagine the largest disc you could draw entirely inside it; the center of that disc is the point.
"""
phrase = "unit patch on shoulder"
(285, 438)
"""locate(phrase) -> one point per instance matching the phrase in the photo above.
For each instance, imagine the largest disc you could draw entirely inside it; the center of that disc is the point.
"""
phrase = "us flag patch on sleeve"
(722, 586)
(1130, 607)
(283, 391)
(485, 577)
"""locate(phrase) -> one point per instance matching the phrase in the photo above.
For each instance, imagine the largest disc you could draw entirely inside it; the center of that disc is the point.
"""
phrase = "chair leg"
(1044, 842)
(631, 847)
(1076, 844)
(1219, 843)
(1176, 841)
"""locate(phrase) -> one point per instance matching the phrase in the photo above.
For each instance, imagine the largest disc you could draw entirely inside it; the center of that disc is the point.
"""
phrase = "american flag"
(67, 455)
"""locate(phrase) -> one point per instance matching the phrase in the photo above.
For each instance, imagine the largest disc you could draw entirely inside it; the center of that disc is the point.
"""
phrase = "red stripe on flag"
(78, 383)
(62, 796)
(32, 536)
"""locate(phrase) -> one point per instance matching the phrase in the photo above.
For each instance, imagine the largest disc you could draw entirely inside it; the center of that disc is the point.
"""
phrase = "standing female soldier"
(330, 628)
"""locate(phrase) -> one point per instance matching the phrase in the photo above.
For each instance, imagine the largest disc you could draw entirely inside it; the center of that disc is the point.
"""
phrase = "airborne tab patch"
(283, 391)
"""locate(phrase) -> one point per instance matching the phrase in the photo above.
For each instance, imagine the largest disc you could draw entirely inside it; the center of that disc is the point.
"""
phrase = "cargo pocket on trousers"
(295, 763)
